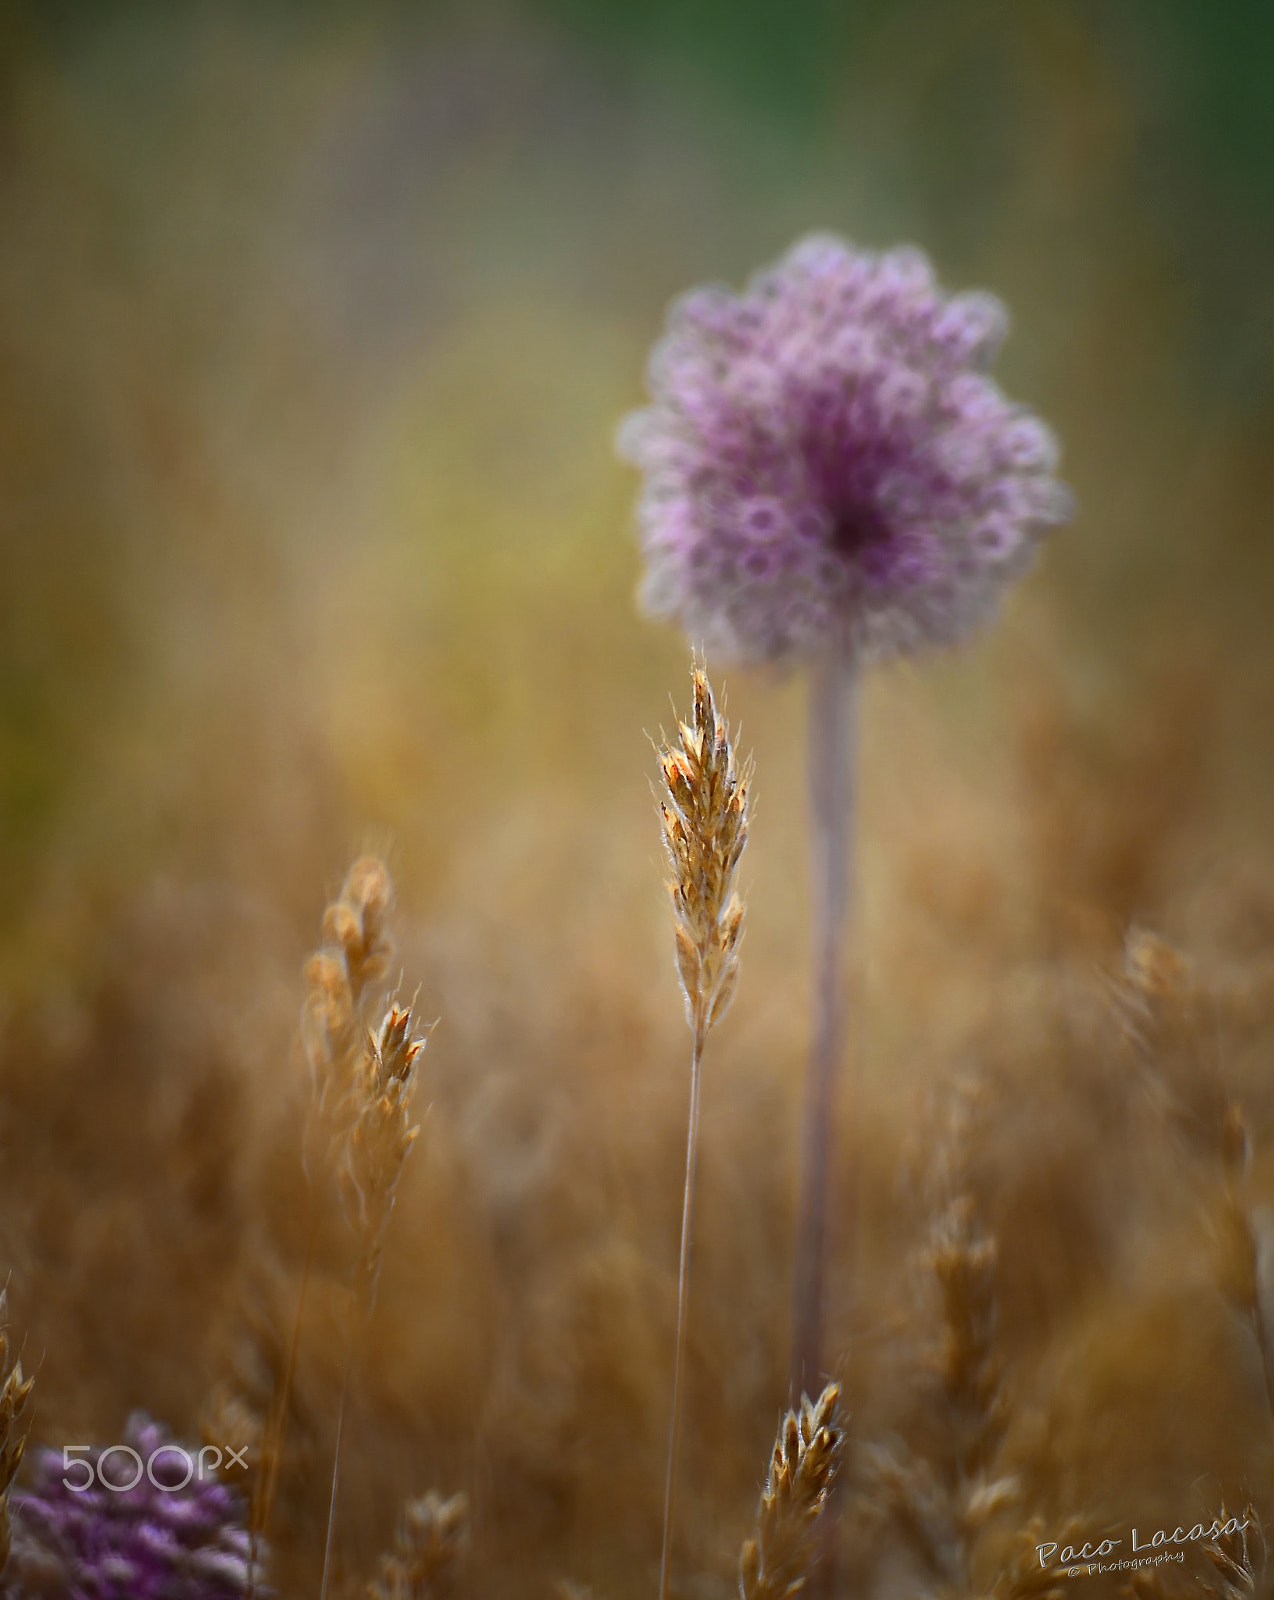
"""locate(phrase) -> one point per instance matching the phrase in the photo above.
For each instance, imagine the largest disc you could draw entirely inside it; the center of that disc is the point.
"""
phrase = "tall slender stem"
(277, 1419)
(683, 1283)
(832, 739)
(329, 1542)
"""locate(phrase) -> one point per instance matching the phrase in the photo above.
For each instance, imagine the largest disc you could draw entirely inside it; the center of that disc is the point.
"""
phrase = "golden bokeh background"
(316, 324)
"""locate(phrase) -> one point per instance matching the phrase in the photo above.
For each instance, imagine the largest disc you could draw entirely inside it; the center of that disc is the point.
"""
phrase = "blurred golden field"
(315, 328)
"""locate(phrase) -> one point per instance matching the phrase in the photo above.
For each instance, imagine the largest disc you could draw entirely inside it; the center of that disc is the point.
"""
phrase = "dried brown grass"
(429, 1549)
(376, 1145)
(340, 980)
(777, 1561)
(15, 1391)
(1097, 1141)
(704, 815)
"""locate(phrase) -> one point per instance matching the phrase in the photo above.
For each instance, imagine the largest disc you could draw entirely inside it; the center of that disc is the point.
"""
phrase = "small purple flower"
(827, 464)
(159, 1538)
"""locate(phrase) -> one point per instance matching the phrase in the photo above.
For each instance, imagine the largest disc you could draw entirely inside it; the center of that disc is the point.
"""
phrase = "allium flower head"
(161, 1538)
(827, 463)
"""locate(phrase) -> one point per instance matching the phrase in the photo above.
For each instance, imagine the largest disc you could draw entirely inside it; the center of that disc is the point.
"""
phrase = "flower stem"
(683, 1285)
(832, 738)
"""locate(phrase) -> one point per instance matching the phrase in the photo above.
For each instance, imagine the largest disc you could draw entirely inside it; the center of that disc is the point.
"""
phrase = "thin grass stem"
(683, 1287)
(832, 740)
(329, 1542)
(276, 1426)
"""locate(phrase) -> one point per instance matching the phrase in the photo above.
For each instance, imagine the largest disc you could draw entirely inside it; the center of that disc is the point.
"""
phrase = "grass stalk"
(832, 739)
(276, 1423)
(776, 1563)
(703, 810)
(378, 1140)
(683, 1287)
(330, 1539)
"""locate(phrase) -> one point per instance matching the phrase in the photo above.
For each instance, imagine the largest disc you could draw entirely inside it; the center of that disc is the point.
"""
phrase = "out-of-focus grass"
(313, 337)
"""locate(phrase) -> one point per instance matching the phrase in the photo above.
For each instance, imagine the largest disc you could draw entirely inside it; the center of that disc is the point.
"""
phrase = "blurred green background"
(292, 293)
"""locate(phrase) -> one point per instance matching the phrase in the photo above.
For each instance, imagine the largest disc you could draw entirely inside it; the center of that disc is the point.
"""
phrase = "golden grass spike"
(775, 1563)
(358, 1127)
(429, 1551)
(704, 816)
(962, 1259)
(1174, 1030)
(340, 980)
(1237, 1560)
(379, 1138)
(1024, 1576)
(15, 1391)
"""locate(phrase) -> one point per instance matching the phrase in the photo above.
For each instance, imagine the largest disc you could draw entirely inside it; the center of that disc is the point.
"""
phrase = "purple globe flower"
(152, 1535)
(827, 464)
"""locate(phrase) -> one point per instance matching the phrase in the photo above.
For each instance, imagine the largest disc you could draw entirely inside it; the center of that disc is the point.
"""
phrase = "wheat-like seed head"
(962, 1260)
(1235, 1571)
(14, 1393)
(1174, 1024)
(1023, 1576)
(429, 1549)
(339, 979)
(1237, 1560)
(775, 1564)
(380, 1135)
(940, 1491)
(704, 813)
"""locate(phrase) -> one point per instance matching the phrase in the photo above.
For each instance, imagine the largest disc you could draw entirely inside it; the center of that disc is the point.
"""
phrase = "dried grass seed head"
(962, 1260)
(14, 1394)
(1237, 1559)
(775, 1563)
(356, 923)
(429, 1549)
(354, 957)
(703, 811)
(381, 1132)
(340, 979)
